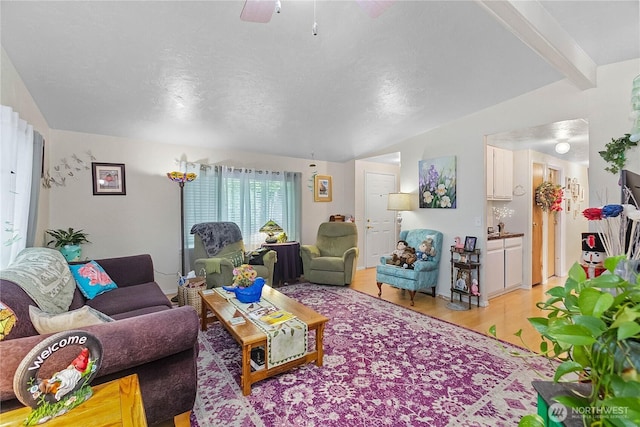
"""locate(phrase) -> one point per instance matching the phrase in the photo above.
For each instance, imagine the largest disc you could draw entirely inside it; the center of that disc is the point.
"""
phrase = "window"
(247, 197)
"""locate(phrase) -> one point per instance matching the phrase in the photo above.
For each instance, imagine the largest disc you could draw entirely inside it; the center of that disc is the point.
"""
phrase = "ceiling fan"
(262, 10)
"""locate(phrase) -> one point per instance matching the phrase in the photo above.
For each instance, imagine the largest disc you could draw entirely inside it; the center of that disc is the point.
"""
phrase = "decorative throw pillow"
(92, 279)
(46, 323)
(7, 320)
(237, 258)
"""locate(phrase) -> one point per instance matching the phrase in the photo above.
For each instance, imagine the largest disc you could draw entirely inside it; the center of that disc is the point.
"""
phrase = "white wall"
(147, 219)
(606, 107)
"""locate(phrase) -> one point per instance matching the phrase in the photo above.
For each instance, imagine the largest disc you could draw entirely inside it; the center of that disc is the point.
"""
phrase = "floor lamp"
(399, 202)
(181, 178)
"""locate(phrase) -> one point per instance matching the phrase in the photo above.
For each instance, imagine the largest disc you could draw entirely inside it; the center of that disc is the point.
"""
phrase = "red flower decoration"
(592, 214)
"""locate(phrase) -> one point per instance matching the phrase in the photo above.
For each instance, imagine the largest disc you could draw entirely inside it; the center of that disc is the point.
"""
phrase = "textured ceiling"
(193, 73)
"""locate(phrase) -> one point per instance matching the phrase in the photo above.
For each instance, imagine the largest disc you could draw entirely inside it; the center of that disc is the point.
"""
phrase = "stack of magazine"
(270, 316)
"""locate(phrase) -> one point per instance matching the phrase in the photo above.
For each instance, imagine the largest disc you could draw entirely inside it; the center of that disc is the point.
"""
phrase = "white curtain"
(247, 197)
(16, 157)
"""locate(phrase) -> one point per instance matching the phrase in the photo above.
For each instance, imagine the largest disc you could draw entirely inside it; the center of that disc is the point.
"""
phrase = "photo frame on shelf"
(322, 188)
(108, 179)
(463, 280)
(470, 243)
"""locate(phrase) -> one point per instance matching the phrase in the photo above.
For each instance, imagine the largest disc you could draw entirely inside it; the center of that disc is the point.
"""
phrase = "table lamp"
(271, 228)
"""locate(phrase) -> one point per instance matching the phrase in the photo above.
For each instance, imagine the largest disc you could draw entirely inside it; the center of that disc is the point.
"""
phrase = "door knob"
(368, 226)
(535, 224)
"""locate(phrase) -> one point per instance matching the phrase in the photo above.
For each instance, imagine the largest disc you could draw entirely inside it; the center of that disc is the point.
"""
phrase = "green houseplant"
(592, 328)
(68, 242)
(615, 153)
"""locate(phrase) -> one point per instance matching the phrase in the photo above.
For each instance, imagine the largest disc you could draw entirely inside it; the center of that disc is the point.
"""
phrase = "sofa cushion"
(92, 279)
(46, 323)
(122, 300)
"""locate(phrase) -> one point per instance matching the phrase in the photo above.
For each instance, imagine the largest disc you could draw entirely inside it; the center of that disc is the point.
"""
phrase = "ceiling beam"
(532, 24)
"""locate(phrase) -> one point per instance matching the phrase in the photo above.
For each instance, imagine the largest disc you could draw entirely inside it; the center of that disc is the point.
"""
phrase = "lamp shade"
(271, 227)
(399, 202)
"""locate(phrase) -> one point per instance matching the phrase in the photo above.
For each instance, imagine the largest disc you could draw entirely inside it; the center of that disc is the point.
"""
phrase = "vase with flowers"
(500, 214)
(246, 284)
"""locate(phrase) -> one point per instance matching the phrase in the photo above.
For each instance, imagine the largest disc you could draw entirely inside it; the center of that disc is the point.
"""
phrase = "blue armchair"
(423, 276)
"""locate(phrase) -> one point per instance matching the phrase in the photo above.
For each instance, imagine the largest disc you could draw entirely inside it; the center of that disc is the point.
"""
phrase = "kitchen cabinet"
(503, 261)
(499, 173)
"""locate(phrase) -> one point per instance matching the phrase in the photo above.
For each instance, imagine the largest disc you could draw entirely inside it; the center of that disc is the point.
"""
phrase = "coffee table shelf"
(248, 335)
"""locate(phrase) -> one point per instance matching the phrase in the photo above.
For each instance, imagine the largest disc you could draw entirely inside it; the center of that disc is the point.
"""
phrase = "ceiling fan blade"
(258, 10)
(375, 7)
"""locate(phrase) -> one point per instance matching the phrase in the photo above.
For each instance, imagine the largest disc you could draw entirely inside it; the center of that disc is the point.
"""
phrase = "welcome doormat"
(384, 365)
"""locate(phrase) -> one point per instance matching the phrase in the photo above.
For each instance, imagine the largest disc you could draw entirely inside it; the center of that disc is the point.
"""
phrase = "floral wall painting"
(437, 182)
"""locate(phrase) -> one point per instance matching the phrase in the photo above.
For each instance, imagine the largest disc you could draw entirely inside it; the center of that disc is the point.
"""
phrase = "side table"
(116, 403)
(289, 265)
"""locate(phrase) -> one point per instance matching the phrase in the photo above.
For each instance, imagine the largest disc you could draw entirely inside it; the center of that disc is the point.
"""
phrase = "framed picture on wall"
(322, 188)
(108, 179)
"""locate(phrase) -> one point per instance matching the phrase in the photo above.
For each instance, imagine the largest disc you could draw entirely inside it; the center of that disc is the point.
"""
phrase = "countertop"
(507, 235)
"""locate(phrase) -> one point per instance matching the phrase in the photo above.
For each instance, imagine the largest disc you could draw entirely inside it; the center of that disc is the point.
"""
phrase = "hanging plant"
(615, 153)
(549, 196)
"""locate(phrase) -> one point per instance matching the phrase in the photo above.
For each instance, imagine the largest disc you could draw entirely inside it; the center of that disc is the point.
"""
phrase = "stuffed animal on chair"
(396, 255)
(426, 251)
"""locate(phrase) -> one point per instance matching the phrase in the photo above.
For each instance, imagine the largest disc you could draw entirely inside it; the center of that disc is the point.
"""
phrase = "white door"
(380, 223)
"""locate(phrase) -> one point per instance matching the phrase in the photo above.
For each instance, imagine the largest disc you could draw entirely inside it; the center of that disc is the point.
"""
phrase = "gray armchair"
(218, 248)
(333, 259)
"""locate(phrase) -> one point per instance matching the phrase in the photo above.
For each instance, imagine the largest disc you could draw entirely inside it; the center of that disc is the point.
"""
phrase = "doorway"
(545, 229)
(380, 223)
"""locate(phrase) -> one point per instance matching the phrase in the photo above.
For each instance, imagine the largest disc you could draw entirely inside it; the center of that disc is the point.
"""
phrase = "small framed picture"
(108, 179)
(463, 281)
(470, 243)
(322, 188)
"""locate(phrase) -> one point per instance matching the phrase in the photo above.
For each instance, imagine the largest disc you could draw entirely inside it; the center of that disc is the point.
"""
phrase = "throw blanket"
(285, 341)
(45, 276)
(217, 235)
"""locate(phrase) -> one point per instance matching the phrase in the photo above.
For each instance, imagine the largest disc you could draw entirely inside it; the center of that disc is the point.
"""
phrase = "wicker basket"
(188, 293)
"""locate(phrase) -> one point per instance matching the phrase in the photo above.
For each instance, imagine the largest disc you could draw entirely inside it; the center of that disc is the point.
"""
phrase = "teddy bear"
(408, 257)
(397, 253)
(426, 251)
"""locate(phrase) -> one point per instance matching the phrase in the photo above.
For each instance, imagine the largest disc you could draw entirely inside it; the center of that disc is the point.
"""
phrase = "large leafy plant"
(592, 327)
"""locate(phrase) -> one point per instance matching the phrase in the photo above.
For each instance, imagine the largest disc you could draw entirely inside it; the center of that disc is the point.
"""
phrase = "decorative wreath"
(549, 196)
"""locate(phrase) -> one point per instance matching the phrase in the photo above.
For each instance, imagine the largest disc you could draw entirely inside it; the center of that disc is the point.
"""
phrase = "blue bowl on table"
(250, 294)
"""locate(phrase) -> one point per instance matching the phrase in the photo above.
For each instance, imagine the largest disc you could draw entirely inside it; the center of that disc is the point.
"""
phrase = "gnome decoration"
(593, 255)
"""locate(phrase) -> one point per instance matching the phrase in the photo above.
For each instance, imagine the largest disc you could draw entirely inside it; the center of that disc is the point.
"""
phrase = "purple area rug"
(384, 365)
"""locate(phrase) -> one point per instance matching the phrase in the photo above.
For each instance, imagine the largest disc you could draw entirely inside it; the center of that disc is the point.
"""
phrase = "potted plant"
(68, 242)
(592, 328)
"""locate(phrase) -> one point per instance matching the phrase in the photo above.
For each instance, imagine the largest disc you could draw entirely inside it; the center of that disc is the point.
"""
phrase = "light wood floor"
(509, 312)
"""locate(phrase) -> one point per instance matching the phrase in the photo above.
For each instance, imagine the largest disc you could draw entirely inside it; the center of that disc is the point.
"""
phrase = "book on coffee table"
(276, 317)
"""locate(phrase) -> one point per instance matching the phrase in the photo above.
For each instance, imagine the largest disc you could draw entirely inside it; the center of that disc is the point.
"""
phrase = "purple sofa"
(148, 338)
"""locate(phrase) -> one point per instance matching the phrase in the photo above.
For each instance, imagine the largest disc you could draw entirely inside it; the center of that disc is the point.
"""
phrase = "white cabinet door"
(494, 268)
(502, 174)
(513, 262)
(499, 173)
(489, 172)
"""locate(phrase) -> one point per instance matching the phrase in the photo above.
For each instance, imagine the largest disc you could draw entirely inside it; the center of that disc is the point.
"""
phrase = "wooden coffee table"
(249, 335)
